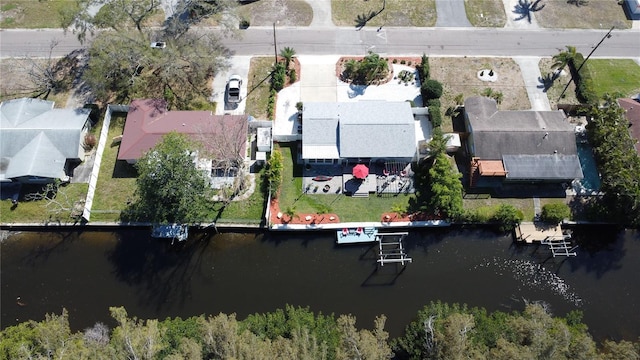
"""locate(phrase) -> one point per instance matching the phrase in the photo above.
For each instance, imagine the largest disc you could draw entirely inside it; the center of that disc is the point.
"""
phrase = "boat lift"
(391, 248)
(560, 245)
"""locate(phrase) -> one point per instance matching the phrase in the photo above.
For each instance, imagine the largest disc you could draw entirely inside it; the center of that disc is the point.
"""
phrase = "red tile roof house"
(223, 136)
(632, 113)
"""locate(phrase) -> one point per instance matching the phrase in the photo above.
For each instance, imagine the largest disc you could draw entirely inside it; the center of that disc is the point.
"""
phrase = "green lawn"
(116, 181)
(250, 210)
(485, 13)
(258, 86)
(33, 14)
(38, 211)
(348, 208)
(395, 13)
(487, 207)
(615, 76)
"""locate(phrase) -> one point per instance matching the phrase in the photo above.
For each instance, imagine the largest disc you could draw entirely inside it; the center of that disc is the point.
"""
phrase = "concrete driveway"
(239, 66)
(451, 13)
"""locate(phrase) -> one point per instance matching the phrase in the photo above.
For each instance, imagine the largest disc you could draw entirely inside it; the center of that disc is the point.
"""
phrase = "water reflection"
(87, 272)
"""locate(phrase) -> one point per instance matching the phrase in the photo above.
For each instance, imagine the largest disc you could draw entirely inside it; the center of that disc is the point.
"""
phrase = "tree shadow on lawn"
(363, 19)
(123, 170)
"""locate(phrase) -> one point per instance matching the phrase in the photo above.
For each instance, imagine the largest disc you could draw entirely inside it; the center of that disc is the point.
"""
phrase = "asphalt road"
(396, 41)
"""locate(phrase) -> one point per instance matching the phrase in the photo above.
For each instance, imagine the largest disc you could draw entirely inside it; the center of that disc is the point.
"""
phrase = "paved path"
(451, 13)
(321, 13)
(532, 82)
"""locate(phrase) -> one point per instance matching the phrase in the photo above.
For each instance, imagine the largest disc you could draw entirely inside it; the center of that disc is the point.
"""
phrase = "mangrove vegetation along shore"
(439, 331)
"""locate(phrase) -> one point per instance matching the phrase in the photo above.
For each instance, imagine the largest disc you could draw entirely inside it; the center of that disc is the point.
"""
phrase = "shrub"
(278, 77)
(555, 212)
(435, 116)
(274, 172)
(434, 102)
(508, 217)
(431, 89)
(244, 24)
(459, 99)
(293, 77)
(271, 105)
(423, 69)
(90, 141)
(402, 62)
(299, 105)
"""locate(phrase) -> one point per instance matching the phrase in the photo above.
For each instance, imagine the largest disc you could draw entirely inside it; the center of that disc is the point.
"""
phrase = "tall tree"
(445, 188)
(618, 162)
(119, 15)
(564, 58)
(170, 189)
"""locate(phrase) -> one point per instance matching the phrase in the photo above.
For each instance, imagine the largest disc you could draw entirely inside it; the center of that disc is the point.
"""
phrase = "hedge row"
(585, 91)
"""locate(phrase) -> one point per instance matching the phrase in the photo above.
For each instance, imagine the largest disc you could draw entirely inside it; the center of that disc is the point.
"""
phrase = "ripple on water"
(534, 276)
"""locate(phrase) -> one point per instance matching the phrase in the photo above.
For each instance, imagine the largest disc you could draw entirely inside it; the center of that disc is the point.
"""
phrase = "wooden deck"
(536, 232)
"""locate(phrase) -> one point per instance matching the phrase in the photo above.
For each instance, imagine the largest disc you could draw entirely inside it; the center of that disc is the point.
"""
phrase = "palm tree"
(563, 58)
(350, 68)
(287, 53)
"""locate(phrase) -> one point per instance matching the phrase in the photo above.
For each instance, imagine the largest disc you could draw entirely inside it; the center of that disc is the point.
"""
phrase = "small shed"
(453, 142)
(264, 139)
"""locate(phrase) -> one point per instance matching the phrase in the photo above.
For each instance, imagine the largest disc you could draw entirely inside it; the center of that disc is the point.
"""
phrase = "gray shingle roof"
(523, 132)
(36, 139)
(358, 129)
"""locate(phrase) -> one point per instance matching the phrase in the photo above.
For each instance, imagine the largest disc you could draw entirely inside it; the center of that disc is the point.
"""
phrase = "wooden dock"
(551, 235)
(537, 232)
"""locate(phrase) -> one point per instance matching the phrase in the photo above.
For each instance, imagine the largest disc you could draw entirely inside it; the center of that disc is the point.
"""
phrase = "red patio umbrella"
(360, 171)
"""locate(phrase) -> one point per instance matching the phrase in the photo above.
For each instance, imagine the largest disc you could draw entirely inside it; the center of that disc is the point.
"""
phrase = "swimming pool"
(591, 181)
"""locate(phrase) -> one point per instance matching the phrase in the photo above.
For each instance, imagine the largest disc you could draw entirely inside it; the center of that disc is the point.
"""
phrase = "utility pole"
(275, 43)
(606, 36)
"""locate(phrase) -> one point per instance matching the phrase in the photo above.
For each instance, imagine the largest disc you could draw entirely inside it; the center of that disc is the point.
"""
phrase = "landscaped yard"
(596, 14)
(348, 209)
(460, 76)
(250, 210)
(395, 13)
(116, 181)
(553, 92)
(487, 207)
(485, 13)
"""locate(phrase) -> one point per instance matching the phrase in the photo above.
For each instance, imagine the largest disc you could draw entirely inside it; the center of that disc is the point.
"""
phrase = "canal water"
(87, 272)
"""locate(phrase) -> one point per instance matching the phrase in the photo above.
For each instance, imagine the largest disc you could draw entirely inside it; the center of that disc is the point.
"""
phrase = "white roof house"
(364, 129)
(36, 140)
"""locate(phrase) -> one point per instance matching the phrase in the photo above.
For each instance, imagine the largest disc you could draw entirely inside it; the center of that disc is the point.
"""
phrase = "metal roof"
(358, 129)
(542, 167)
(36, 140)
